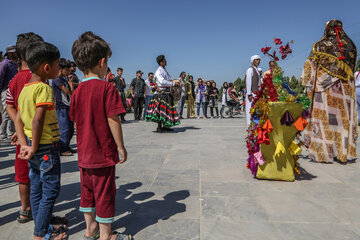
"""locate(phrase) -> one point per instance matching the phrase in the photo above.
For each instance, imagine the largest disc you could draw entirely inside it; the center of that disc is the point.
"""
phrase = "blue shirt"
(8, 70)
(62, 100)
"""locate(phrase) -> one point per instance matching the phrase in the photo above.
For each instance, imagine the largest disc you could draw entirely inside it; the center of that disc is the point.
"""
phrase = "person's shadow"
(137, 216)
(143, 215)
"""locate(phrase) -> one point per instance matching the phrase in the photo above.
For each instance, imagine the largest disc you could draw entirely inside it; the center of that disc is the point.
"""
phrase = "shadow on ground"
(138, 209)
(304, 175)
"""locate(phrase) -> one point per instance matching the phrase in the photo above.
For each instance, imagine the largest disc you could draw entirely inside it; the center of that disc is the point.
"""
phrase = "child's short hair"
(23, 41)
(39, 53)
(88, 50)
(64, 63)
(73, 64)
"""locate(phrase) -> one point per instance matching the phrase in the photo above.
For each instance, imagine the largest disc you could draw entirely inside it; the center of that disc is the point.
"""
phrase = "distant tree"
(357, 68)
(239, 84)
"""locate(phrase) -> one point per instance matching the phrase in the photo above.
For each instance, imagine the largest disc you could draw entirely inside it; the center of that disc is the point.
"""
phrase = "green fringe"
(157, 119)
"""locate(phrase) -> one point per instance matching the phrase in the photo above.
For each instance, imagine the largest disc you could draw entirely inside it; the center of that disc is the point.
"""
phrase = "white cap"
(254, 57)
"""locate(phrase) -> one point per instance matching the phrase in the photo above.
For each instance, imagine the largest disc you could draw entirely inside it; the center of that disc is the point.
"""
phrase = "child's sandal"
(120, 236)
(53, 233)
(94, 237)
(27, 216)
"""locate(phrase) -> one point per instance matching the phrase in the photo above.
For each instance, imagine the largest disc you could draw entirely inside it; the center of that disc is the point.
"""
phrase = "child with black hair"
(38, 133)
(95, 107)
(15, 87)
(63, 88)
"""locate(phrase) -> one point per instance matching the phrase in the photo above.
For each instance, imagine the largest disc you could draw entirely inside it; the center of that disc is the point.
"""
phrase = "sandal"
(94, 237)
(68, 153)
(26, 214)
(120, 236)
(56, 220)
(53, 233)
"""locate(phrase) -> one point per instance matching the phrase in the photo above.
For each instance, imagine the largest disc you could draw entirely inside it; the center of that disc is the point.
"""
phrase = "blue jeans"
(203, 108)
(44, 174)
(66, 129)
(147, 102)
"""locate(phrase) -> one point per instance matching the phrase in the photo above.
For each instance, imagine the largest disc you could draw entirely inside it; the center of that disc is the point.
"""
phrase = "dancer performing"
(162, 109)
(252, 84)
(329, 80)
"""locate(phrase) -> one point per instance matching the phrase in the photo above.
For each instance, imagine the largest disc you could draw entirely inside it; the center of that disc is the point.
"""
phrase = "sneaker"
(198, 117)
(212, 117)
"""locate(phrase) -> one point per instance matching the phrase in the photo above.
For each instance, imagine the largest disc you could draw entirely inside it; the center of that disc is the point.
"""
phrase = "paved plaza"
(193, 184)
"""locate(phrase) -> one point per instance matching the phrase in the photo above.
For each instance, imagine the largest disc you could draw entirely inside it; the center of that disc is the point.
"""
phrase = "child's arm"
(19, 127)
(116, 130)
(65, 90)
(27, 152)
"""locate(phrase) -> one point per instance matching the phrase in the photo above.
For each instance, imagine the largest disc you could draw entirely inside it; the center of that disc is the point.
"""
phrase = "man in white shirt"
(252, 84)
(150, 88)
(182, 100)
(357, 84)
(162, 109)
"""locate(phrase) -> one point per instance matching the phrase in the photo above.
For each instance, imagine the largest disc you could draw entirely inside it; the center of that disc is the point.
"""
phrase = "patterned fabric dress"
(329, 80)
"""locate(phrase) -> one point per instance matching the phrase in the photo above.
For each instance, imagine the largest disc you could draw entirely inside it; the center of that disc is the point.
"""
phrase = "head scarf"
(335, 52)
(254, 57)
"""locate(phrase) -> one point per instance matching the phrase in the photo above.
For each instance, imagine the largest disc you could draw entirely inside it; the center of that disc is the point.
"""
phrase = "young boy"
(15, 87)
(62, 93)
(38, 132)
(95, 107)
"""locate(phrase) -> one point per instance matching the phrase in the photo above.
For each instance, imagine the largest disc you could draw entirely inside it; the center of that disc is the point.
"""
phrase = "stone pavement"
(194, 184)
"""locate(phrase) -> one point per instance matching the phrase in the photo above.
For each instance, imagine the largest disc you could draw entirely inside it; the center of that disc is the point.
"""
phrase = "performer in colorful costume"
(329, 80)
(162, 109)
(276, 119)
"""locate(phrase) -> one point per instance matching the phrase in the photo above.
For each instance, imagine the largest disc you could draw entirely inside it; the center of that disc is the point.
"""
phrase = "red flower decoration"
(265, 50)
(277, 41)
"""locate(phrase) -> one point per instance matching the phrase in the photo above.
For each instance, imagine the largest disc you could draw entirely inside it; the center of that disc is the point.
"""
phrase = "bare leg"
(24, 192)
(105, 231)
(92, 226)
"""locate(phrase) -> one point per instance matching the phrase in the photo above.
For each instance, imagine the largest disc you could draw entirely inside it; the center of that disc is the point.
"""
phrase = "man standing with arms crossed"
(252, 84)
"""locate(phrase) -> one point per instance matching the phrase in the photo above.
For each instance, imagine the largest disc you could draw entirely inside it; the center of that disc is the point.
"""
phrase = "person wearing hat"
(8, 70)
(138, 92)
(253, 79)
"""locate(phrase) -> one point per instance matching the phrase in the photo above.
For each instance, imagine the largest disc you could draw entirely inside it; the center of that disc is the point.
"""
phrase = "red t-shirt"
(16, 85)
(92, 103)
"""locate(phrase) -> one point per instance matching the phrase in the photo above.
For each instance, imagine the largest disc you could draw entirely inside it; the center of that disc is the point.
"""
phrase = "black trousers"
(138, 107)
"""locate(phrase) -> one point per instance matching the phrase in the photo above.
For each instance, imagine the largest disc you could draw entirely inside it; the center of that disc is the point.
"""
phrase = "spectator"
(213, 100)
(8, 70)
(190, 94)
(38, 132)
(138, 92)
(75, 79)
(182, 100)
(99, 136)
(200, 91)
(150, 88)
(15, 87)
(223, 98)
(62, 93)
(207, 96)
(109, 75)
(120, 86)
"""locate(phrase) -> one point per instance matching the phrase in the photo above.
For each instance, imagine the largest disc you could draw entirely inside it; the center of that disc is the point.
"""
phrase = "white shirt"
(183, 92)
(148, 88)
(357, 79)
(249, 75)
(162, 77)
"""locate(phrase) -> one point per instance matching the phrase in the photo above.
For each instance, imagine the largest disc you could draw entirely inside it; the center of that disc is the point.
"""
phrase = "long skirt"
(162, 110)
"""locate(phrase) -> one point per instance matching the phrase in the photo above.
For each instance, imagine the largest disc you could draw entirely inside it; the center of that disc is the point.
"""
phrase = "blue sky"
(211, 39)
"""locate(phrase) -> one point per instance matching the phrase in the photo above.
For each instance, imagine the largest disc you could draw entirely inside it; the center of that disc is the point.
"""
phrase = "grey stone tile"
(227, 229)
(233, 208)
(313, 231)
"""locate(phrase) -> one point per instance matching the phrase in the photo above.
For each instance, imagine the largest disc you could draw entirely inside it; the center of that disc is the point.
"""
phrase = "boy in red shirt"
(95, 107)
(13, 92)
